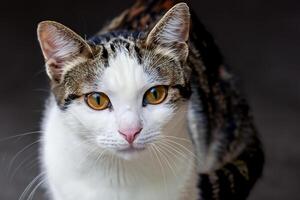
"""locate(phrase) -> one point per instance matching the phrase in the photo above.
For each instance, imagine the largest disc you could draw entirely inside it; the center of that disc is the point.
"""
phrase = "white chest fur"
(74, 173)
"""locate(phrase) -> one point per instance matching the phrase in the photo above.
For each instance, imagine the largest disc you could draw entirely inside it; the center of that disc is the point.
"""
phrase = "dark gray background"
(260, 41)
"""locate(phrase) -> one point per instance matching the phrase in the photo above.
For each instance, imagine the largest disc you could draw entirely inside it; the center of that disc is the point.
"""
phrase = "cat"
(144, 110)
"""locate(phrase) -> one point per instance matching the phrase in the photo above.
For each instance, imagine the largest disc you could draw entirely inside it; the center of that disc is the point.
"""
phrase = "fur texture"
(199, 143)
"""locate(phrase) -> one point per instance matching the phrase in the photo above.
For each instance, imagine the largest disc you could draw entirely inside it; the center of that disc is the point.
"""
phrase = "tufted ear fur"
(60, 46)
(172, 31)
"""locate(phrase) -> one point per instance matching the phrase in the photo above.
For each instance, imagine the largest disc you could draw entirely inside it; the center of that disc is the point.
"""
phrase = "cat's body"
(198, 142)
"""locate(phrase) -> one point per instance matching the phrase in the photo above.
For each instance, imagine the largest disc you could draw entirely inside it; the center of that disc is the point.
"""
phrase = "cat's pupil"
(97, 98)
(154, 93)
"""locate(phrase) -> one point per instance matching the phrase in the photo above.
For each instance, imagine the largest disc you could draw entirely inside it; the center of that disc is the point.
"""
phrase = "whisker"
(177, 138)
(21, 151)
(162, 169)
(183, 149)
(167, 161)
(24, 162)
(30, 185)
(32, 193)
(167, 145)
(170, 152)
(183, 154)
(182, 146)
(19, 135)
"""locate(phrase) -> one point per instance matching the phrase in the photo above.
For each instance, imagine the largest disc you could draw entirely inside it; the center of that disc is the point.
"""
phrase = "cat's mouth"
(131, 149)
(130, 152)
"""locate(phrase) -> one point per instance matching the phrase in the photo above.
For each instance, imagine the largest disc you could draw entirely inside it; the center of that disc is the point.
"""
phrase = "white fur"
(81, 150)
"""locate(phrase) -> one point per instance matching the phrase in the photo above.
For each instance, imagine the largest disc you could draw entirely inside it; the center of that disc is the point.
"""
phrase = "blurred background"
(259, 39)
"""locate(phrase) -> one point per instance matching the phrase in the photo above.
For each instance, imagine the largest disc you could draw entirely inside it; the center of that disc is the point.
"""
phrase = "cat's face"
(122, 93)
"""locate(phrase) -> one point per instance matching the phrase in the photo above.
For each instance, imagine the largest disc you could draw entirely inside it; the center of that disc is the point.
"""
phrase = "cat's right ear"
(172, 31)
(60, 46)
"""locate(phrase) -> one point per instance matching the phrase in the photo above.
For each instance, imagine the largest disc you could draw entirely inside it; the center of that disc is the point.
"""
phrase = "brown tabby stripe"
(232, 182)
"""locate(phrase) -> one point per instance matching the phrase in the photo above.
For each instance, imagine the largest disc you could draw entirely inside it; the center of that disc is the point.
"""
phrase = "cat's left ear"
(60, 46)
(172, 31)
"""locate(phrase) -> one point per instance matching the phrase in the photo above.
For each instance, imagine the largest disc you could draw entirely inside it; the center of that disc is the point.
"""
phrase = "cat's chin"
(130, 152)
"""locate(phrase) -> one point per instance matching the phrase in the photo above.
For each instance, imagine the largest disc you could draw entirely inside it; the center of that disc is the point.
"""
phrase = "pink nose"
(130, 134)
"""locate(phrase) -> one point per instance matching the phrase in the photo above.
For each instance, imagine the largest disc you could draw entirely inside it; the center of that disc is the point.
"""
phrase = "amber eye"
(155, 95)
(97, 101)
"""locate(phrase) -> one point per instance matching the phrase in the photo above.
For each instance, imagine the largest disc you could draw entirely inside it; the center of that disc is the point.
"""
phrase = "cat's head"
(123, 92)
